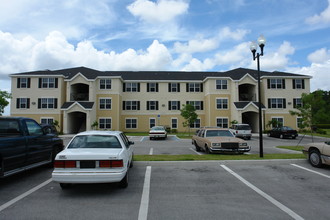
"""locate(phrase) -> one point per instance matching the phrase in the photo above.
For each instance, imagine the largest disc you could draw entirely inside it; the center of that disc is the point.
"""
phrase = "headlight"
(243, 144)
(216, 144)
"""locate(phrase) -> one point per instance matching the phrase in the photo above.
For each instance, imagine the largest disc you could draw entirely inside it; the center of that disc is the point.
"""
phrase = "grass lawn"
(295, 148)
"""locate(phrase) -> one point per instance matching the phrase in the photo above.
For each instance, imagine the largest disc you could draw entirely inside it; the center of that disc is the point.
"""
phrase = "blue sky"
(210, 35)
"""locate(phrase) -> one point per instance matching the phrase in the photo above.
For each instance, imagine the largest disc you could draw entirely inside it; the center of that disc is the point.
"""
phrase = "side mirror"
(131, 142)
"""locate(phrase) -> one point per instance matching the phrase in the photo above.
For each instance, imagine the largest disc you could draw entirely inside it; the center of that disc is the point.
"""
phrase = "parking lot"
(277, 189)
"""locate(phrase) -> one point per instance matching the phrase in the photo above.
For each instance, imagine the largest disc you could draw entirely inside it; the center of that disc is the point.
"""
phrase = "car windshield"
(218, 133)
(157, 129)
(95, 141)
(286, 128)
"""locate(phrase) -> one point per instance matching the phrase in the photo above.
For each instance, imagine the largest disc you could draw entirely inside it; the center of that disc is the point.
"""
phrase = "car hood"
(89, 154)
(225, 139)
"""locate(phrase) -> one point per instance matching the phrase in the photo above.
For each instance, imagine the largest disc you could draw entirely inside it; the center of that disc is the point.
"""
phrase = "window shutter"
(294, 103)
(39, 83)
(148, 105)
(201, 87)
(269, 103)
(293, 83)
(303, 83)
(28, 82)
(283, 82)
(17, 102)
(169, 105)
(148, 87)
(55, 103)
(157, 88)
(202, 105)
(284, 103)
(187, 87)
(138, 88)
(156, 105)
(138, 104)
(187, 102)
(179, 107)
(124, 104)
(124, 87)
(18, 82)
(178, 87)
(39, 103)
(169, 87)
(28, 103)
(268, 83)
(56, 82)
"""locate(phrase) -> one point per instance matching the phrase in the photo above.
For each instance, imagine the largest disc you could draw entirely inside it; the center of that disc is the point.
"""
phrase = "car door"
(39, 145)
(129, 149)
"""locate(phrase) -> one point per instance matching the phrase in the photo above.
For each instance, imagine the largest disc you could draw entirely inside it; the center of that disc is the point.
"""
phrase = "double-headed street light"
(253, 48)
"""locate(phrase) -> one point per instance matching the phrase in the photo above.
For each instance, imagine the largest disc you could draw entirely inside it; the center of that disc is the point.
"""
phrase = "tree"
(274, 123)
(188, 112)
(3, 100)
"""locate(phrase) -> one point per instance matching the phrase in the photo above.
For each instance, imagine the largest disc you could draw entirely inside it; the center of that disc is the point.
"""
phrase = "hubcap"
(314, 158)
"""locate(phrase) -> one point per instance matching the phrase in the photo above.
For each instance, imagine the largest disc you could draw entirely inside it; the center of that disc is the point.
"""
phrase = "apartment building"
(134, 101)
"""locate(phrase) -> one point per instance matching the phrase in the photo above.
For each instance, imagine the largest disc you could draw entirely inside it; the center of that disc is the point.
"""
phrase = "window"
(152, 122)
(297, 102)
(222, 103)
(298, 84)
(277, 103)
(33, 128)
(48, 83)
(174, 123)
(23, 82)
(276, 83)
(105, 83)
(194, 87)
(299, 122)
(152, 105)
(131, 123)
(22, 103)
(131, 87)
(280, 121)
(131, 105)
(152, 87)
(222, 122)
(198, 105)
(47, 103)
(196, 124)
(47, 121)
(173, 105)
(174, 87)
(221, 84)
(105, 103)
(105, 123)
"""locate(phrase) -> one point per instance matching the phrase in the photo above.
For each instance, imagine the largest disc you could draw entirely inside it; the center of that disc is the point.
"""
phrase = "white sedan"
(94, 157)
(157, 132)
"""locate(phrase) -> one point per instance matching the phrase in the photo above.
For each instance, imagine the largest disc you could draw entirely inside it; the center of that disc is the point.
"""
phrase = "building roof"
(235, 74)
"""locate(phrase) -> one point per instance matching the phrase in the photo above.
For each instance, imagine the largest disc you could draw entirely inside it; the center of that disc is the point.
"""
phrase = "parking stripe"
(11, 202)
(263, 194)
(195, 151)
(151, 151)
(304, 168)
(144, 205)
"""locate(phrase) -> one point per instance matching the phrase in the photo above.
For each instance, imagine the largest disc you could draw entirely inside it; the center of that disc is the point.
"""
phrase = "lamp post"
(253, 48)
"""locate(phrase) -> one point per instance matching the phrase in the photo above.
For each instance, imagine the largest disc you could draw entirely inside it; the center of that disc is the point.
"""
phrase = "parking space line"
(195, 151)
(151, 151)
(144, 205)
(263, 194)
(11, 202)
(304, 168)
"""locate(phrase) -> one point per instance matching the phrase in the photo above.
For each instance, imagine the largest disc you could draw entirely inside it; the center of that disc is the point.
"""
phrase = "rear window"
(95, 141)
(9, 127)
(243, 127)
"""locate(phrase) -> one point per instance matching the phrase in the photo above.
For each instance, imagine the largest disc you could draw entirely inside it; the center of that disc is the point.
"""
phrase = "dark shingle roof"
(241, 105)
(86, 105)
(235, 74)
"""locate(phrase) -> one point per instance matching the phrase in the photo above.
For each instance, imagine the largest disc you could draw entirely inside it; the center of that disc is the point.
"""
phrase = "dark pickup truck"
(24, 144)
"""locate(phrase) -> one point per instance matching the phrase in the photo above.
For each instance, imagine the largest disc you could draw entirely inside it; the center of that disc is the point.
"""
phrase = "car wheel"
(315, 158)
(65, 185)
(124, 182)
(207, 150)
(196, 146)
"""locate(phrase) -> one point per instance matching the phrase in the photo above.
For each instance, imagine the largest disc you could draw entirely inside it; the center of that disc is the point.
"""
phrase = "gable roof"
(235, 74)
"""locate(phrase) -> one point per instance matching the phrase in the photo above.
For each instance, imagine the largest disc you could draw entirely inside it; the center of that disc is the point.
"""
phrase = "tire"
(131, 164)
(207, 150)
(197, 148)
(65, 185)
(124, 182)
(315, 158)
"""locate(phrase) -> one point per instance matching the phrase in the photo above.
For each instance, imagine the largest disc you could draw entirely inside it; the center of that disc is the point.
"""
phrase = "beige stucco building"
(134, 101)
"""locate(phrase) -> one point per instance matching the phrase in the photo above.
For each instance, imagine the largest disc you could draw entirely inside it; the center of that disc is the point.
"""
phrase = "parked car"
(212, 140)
(24, 145)
(241, 131)
(157, 132)
(94, 157)
(283, 132)
(318, 153)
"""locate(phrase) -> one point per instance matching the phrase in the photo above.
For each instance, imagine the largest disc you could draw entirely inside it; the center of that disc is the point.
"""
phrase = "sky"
(178, 35)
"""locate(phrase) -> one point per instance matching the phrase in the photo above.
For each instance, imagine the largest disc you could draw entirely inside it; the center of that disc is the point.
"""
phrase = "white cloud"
(323, 17)
(160, 11)
(193, 46)
(319, 56)
(227, 33)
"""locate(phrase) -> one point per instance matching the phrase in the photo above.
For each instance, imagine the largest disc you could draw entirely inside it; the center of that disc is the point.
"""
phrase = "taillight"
(65, 164)
(236, 132)
(117, 163)
(105, 163)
